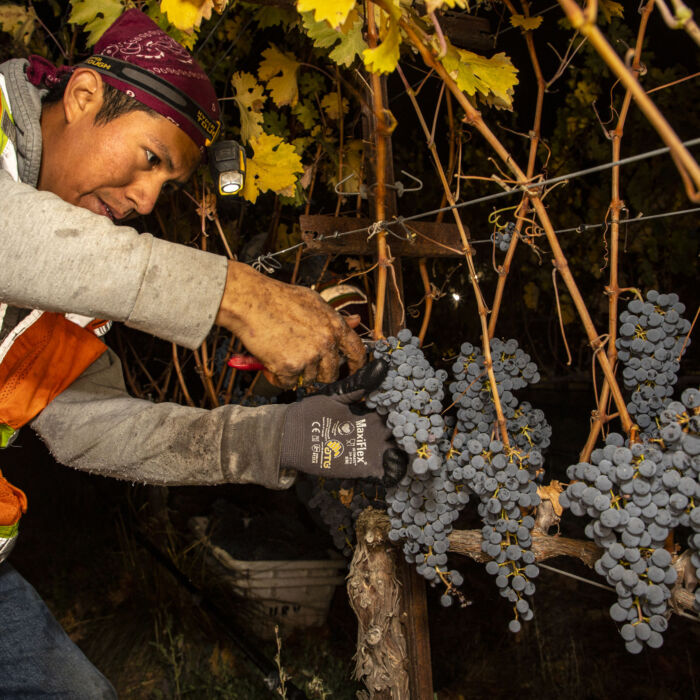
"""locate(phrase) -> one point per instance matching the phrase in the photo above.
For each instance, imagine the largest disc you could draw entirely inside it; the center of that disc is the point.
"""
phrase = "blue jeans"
(37, 658)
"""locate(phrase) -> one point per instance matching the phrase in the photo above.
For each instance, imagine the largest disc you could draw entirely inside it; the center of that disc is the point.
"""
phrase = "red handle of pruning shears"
(245, 362)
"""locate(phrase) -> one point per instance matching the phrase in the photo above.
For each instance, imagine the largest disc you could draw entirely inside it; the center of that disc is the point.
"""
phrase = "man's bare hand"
(290, 329)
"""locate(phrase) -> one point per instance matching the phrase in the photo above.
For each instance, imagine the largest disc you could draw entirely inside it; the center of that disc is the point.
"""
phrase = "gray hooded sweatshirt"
(59, 257)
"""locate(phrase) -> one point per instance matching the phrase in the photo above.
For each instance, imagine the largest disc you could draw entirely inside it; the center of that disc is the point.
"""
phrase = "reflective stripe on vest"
(8, 154)
(40, 357)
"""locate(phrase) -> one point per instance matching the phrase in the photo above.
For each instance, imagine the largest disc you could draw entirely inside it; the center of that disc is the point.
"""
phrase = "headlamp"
(227, 164)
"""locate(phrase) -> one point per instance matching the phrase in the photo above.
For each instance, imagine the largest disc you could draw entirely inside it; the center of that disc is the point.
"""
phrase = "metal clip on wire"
(399, 186)
(362, 192)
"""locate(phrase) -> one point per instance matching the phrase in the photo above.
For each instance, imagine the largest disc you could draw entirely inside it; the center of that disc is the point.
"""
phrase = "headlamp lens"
(230, 182)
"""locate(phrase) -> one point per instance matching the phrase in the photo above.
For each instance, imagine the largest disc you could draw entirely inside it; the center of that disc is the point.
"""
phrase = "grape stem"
(473, 117)
(469, 254)
(380, 151)
(686, 164)
(522, 210)
(616, 206)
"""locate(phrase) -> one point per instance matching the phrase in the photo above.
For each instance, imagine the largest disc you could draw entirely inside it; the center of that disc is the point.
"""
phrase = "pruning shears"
(245, 362)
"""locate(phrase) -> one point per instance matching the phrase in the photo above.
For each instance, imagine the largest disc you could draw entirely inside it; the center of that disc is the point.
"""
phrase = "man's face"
(118, 168)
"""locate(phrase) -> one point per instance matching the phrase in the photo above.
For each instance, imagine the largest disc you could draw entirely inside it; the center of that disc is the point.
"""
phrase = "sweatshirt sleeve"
(95, 426)
(59, 257)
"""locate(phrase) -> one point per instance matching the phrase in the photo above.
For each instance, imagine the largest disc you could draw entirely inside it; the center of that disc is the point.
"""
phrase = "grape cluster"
(425, 503)
(513, 370)
(635, 495)
(680, 435)
(503, 236)
(622, 491)
(503, 477)
(651, 341)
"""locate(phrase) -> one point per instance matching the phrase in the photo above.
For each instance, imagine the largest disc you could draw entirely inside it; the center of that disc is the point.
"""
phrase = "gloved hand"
(330, 434)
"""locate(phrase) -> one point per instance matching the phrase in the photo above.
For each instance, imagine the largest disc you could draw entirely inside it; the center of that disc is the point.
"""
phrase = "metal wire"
(561, 572)
(263, 260)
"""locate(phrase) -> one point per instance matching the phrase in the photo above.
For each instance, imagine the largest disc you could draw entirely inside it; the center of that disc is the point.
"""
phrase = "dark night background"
(77, 543)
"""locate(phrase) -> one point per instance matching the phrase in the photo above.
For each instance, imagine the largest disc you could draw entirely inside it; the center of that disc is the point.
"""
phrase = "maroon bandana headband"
(138, 58)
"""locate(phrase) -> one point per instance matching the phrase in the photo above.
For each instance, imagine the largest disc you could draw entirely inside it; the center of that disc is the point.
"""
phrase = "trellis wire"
(267, 262)
(561, 572)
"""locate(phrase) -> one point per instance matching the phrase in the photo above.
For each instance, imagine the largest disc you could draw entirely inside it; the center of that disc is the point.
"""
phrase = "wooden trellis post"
(388, 596)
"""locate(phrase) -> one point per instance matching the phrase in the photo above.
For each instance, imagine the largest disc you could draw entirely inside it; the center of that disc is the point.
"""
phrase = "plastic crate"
(289, 593)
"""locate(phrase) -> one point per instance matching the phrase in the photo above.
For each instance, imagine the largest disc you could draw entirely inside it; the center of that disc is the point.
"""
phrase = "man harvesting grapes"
(82, 149)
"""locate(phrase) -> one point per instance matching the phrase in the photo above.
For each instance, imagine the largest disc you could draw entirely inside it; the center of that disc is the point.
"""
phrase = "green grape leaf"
(492, 78)
(279, 69)
(275, 122)
(271, 16)
(306, 113)
(525, 23)
(311, 83)
(96, 15)
(274, 166)
(350, 36)
(352, 43)
(335, 12)
(250, 98)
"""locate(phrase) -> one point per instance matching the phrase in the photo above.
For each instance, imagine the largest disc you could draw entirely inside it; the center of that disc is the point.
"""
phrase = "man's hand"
(330, 435)
(290, 329)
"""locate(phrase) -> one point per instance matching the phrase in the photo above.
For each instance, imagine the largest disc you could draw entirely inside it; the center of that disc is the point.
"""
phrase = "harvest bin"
(288, 593)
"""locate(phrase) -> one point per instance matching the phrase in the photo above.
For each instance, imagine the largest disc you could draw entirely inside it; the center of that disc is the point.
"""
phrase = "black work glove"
(330, 434)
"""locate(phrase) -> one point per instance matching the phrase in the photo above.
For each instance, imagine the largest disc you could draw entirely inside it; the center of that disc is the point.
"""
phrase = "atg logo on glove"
(333, 448)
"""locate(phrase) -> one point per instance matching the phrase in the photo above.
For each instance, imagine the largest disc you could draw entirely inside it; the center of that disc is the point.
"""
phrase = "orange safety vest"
(42, 356)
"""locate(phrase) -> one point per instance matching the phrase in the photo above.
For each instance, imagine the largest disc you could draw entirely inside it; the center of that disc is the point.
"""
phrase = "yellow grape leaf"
(385, 57)
(611, 9)
(280, 71)
(331, 107)
(187, 15)
(491, 77)
(18, 22)
(273, 166)
(250, 99)
(352, 165)
(432, 5)
(96, 15)
(306, 113)
(335, 12)
(531, 295)
(526, 23)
